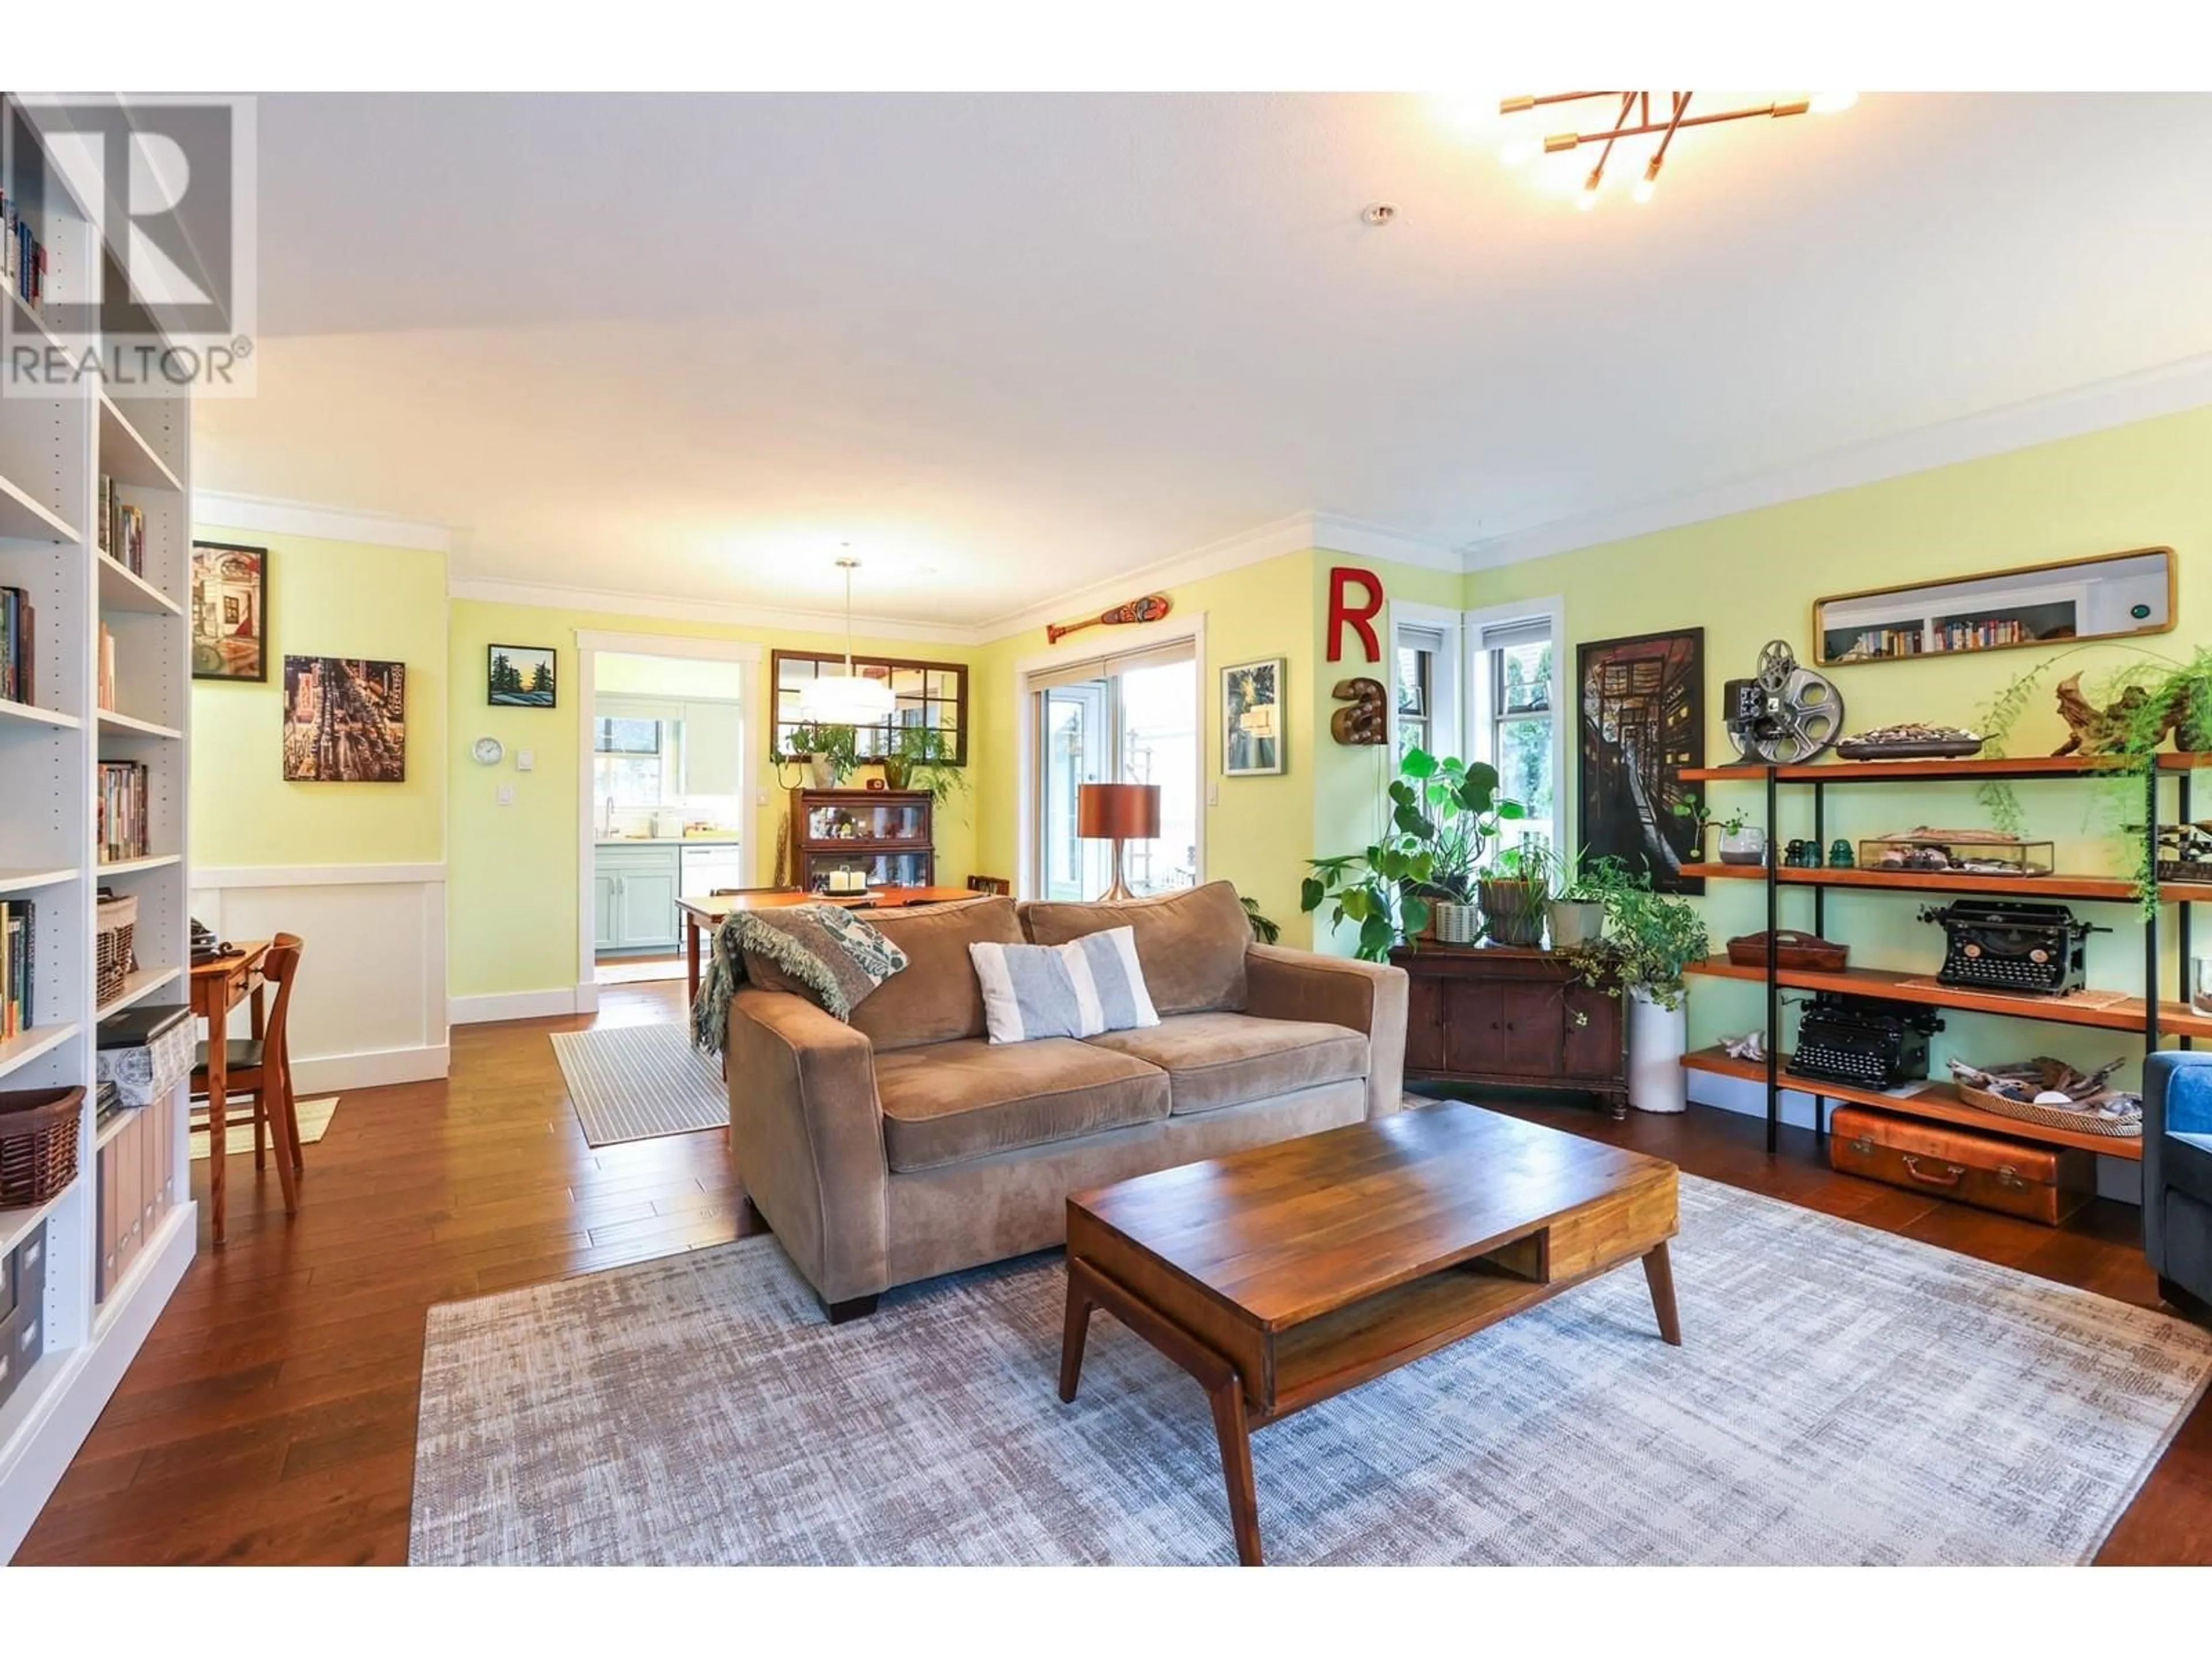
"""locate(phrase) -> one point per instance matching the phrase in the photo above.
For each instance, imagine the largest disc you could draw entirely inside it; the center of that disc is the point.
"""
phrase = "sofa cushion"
(952, 1102)
(1191, 945)
(936, 998)
(1080, 988)
(1217, 1059)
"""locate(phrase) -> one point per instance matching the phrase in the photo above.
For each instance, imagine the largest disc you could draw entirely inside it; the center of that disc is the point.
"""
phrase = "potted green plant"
(1741, 841)
(1516, 891)
(1442, 815)
(1651, 941)
(1578, 906)
(920, 757)
(2138, 704)
(827, 751)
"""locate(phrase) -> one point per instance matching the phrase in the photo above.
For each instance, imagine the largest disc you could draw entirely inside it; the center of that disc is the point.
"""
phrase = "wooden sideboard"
(1518, 1019)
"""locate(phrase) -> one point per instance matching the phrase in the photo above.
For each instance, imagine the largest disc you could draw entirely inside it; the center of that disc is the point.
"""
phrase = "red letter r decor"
(1342, 577)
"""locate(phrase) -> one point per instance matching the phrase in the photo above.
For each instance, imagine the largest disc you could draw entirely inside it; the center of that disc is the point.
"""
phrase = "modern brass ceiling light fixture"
(1644, 115)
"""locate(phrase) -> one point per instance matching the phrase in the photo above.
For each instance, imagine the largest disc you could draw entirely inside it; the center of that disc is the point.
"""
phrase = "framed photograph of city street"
(345, 720)
(1252, 719)
(230, 612)
(520, 676)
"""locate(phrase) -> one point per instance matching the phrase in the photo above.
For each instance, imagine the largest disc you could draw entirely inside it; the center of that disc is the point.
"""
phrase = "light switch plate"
(507, 795)
(525, 759)
(1213, 792)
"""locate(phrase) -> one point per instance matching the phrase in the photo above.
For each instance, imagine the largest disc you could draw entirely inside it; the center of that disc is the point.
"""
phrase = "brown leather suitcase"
(2018, 1178)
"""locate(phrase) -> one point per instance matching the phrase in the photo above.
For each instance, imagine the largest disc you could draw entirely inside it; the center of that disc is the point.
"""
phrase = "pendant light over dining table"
(849, 698)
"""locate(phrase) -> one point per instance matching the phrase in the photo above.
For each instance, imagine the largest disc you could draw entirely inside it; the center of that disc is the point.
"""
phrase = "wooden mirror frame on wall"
(875, 740)
(1979, 621)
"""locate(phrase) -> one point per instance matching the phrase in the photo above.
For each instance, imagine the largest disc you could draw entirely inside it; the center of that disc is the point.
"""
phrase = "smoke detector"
(1379, 213)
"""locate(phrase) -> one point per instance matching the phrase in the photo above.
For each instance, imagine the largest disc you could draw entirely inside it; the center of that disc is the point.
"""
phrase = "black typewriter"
(1862, 1040)
(2000, 944)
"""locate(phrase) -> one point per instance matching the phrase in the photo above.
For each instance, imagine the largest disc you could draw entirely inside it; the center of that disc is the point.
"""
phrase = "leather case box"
(2017, 1177)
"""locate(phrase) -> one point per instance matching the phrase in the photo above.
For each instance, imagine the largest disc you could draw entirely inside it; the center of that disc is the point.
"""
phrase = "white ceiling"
(1008, 346)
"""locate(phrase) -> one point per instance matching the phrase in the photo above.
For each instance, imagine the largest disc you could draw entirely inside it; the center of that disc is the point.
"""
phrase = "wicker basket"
(38, 1144)
(2051, 1117)
(112, 940)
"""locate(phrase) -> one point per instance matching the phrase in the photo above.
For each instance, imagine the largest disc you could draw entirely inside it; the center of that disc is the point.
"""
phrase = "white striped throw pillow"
(1079, 989)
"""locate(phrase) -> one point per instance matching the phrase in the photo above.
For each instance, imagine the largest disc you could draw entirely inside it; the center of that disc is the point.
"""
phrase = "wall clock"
(488, 751)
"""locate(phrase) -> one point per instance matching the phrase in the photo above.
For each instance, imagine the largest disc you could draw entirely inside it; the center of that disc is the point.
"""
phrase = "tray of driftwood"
(2091, 1108)
(1807, 952)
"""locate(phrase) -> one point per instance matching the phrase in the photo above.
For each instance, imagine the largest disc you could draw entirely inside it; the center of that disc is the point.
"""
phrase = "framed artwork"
(1640, 719)
(932, 694)
(230, 612)
(519, 676)
(345, 720)
(1252, 719)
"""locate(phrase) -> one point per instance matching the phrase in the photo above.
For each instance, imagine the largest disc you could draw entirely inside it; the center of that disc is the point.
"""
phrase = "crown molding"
(272, 517)
(1361, 540)
(2120, 402)
(546, 597)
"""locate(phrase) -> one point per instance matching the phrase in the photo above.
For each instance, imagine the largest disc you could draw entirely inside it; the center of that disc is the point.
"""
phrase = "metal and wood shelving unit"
(53, 451)
(2152, 1016)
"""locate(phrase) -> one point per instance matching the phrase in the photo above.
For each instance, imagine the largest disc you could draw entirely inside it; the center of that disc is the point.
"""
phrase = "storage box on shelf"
(2151, 1016)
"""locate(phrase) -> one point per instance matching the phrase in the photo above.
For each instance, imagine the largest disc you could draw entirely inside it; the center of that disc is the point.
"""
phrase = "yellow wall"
(1754, 576)
(325, 599)
(512, 915)
(1261, 831)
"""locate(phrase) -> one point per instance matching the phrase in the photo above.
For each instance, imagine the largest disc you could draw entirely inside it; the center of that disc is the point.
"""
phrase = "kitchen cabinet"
(1516, 1018)
(713, 737)
(606, 901)
(637, 888)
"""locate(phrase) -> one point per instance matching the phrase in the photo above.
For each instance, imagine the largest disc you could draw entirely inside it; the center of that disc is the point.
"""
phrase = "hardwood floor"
(271, 1417)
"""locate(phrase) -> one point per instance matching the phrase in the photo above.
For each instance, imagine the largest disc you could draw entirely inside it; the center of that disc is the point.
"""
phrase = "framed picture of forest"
(520, 676)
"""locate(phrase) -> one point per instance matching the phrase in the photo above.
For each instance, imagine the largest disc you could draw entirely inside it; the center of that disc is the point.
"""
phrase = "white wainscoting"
(371, 1004)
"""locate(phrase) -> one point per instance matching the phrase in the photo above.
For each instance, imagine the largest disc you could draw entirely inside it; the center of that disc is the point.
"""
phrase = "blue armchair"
(2177, 1176)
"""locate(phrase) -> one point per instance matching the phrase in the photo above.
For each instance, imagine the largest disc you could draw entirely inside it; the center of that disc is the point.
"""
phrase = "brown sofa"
(905, 1144)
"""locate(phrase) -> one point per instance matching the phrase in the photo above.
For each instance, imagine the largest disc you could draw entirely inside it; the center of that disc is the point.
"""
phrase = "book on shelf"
(19, 680)
(121, 528)
(26, 254)
(18, 962)
(120, 803)
(105, 689)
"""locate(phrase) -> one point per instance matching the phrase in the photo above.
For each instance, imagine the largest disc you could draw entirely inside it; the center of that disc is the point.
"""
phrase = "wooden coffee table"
(1283, 1275)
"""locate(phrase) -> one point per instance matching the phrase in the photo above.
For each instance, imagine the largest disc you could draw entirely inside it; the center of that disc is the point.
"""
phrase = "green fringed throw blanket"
(821, 951)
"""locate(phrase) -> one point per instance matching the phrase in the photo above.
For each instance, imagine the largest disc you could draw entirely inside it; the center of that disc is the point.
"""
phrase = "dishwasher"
(706, 868)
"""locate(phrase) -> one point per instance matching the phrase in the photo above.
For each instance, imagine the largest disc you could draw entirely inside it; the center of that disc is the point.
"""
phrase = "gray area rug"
(635, 1082)
(1843, 1396)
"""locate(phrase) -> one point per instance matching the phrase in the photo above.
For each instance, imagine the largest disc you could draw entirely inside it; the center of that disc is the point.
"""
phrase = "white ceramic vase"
(822, 768)
(1656, 1039)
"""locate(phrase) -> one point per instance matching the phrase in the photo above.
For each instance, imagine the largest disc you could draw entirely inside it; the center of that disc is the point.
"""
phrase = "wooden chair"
(998, 884)
(261, 1067)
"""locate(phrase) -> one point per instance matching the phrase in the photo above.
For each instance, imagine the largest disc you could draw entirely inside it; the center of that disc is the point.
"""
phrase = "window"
(629, 760)
(1131, 719)
(1425, 700)
(1517, 716)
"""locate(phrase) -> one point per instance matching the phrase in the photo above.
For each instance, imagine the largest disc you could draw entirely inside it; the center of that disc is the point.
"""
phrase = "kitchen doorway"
(669, 799)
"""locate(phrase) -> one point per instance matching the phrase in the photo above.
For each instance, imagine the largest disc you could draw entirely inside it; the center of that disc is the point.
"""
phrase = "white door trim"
(1029, 779)
(748, 655)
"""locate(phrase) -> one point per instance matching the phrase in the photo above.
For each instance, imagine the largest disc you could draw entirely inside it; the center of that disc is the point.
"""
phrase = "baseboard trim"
(332, 1073)
(520, 1004)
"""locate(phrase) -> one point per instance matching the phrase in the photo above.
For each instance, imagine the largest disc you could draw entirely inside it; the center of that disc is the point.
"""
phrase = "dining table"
(702, 916)
(219, 984)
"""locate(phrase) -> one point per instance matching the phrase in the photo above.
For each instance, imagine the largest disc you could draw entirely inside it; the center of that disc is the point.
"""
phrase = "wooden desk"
(702, 916)
(218, 986)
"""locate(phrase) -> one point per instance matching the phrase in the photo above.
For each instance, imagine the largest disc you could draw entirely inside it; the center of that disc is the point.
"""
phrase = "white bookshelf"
(52, 451)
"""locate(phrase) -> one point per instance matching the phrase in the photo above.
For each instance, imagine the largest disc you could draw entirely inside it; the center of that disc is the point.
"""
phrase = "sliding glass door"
(1127, 721)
